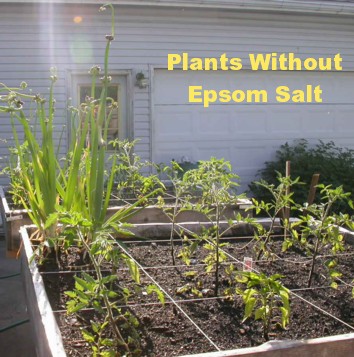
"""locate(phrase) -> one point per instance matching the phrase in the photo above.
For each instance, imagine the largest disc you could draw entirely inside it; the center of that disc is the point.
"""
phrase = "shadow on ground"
(16, 341)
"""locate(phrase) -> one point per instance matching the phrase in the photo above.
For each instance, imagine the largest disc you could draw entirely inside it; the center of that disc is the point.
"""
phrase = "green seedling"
(189, 289)
(265, 299)
(190, 274)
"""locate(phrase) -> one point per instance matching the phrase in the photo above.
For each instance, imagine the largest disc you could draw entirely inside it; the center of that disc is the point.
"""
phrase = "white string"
(185, 301)
(170, 297)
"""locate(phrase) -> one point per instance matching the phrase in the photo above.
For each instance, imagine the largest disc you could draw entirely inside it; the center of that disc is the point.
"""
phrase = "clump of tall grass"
(37, 166)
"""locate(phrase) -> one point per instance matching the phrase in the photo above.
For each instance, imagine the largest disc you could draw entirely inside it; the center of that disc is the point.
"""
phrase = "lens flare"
(77, 19)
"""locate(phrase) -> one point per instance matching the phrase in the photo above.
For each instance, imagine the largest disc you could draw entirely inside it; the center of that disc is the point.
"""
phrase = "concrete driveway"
(16, 341)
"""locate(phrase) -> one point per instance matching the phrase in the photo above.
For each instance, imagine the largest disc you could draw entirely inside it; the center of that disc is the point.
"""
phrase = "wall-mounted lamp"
(141, 81)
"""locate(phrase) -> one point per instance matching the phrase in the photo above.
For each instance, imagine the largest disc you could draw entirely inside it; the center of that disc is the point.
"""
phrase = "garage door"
(244, 133)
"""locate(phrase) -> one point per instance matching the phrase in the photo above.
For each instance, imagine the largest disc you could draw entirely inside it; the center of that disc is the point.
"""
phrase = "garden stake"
(313, 186)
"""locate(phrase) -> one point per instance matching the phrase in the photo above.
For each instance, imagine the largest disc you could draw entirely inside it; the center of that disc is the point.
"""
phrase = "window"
(117, 90)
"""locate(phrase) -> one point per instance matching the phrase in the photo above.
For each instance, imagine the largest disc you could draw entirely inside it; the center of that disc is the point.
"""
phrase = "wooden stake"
(312, 191)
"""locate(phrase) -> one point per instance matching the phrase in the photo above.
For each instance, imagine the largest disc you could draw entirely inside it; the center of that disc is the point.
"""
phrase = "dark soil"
(166, 331)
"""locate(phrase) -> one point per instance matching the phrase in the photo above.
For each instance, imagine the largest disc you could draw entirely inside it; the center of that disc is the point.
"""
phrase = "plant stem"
(173, 231)
(309, 281)
(268, 317)
(217, 249)
(267, 238)
(317, 245)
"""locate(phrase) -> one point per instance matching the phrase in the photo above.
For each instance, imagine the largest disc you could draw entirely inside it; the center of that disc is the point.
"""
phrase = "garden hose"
(9, 276)
(18, 323)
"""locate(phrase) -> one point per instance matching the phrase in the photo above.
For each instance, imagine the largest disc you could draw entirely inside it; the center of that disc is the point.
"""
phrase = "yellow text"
(208, 96)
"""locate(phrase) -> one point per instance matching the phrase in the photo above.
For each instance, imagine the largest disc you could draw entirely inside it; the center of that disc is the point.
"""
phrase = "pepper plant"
(265, 299)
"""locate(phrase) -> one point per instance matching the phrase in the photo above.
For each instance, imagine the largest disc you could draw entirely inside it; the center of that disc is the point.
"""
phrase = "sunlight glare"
(77, 19)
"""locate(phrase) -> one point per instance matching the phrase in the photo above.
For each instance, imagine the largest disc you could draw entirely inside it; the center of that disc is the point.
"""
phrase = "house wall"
(35, 37)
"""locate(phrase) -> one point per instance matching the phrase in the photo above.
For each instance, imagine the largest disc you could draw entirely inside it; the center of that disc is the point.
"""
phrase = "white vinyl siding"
(34, 37)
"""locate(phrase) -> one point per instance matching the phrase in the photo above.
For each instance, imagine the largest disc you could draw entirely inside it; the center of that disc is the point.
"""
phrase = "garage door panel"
(343, 83)
(248, 121)
(173, 123)
(249, 156)
(322, 120)
(344, 121)
(285, 121)
(214, 123)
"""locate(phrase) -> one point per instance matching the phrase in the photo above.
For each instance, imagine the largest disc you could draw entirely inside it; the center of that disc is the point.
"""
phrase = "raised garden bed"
(149, 221)
(12, 220)
(191, 324)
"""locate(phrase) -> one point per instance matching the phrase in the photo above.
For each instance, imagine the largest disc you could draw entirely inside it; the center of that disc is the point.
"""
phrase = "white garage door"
(246, 134)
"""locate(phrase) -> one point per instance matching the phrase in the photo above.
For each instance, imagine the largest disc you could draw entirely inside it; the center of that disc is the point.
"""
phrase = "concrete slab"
(17, 341)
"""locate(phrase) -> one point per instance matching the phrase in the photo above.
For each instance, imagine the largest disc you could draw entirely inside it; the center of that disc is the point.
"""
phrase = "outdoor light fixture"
(141, 81)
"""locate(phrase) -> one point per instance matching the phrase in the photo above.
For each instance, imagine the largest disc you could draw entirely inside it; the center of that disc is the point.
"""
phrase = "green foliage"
(320, 230)
(214, 256)
(216, 185)
(37, 160)
(76, 183)
(93, 233)
(104, 292)
(75, 192)
(274, 208)
(334, 164)
(129, 175)
(79, 182)
(194, 287)
(180, 197)
(215, 180)
(13, 170)
(190, 289)
(189, 248)
(154, 289)
(186, 166)
(265, 299)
